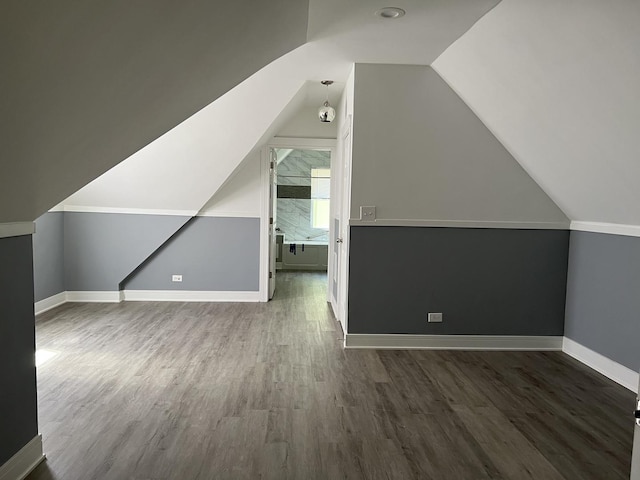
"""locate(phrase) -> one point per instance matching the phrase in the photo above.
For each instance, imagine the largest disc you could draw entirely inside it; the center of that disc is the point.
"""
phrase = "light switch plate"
(368, 213)
(435, 318)
(176, 278)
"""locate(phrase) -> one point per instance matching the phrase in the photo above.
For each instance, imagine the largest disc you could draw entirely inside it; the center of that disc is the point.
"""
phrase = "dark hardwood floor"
(186, 391)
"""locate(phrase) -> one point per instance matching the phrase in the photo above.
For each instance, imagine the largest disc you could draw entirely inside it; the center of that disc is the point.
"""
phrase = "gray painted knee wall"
(18, 408)
(484, 281)
(76, 251)
(48, 255)
(211, 254)
(603, 295)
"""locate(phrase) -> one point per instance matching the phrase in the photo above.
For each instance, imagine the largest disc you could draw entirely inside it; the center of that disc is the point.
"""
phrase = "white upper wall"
(419, 154)
(558, 84)
(305, 124)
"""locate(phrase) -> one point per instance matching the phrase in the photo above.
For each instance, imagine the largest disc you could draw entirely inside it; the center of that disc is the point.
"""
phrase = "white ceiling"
(558, 83)
(184, 168)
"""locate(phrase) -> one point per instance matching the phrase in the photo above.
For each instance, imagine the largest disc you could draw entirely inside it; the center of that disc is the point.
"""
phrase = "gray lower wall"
(484, 281)
(18, 406)
(214, 254)
(48, 255)
(102, 249)
(603, 295)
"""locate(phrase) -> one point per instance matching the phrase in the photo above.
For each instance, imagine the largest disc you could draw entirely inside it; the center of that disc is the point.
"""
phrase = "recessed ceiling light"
(390, 12)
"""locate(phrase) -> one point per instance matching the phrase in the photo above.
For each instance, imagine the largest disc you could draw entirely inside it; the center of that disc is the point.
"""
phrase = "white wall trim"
(23, 462)
(95, 297)
(229, 214)
(452, 342)
(303, 143)
(189, 296)
(134, 211)
(383, 222)
(607, 367)
(16, 229)
(51, 302)
(610, 228)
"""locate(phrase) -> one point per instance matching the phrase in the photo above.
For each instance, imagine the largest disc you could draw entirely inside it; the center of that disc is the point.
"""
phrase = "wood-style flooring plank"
(181, 391)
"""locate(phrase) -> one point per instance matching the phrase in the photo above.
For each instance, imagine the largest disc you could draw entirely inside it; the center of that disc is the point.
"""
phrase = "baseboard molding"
(189, 296)
(95, 297)
(50, 302)
(609, 228)
(609, 368)
(452, 342)
(23, 462)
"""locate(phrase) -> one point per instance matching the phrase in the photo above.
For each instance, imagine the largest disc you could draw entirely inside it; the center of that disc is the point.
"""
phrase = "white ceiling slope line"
(182, 169)
(556, 82)
(91, 83)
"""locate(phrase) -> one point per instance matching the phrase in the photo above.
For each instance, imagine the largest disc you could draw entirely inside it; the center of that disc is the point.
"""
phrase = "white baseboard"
(607, 367)
(50, 302)
(452, 342)
(189, 296)
(95, 297)
(23, 462)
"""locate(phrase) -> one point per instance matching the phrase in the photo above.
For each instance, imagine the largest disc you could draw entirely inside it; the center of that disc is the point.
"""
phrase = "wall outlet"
(435, 318)
(368, 213)
(176, 278)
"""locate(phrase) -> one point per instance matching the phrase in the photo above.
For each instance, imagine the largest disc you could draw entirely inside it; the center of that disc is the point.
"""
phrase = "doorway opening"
(298, 209)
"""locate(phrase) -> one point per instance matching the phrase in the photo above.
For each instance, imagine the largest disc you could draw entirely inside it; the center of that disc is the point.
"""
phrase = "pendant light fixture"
(326, 113)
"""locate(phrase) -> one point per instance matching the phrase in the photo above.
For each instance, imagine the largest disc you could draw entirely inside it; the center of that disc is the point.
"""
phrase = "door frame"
(328, 144)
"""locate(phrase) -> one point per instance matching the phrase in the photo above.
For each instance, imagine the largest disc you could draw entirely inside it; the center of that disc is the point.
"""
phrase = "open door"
(635, 456)
(340, 238)
(273, 197)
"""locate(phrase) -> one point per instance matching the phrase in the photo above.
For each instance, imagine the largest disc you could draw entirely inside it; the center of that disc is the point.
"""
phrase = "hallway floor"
(160, 391)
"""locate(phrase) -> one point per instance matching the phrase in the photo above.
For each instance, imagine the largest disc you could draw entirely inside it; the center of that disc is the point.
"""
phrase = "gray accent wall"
(18, 405)
(48, 255)
(603, 295)
(102, 249)
(484, 281)
(211, 253)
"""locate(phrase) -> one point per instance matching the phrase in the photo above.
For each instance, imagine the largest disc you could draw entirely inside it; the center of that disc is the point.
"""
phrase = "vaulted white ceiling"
(184, 168)
(558, 83)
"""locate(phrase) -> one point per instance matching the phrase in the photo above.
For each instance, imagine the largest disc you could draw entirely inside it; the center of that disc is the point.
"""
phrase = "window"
(320, 194)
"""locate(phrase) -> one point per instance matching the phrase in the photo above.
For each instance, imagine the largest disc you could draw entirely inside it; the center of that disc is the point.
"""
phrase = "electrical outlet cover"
(368, 213)
(435, 317)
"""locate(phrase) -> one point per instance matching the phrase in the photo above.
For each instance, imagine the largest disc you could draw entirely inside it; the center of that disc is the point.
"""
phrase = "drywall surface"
(241, 195)
(419, 153)
(557, 83)
(305, 124)
(102, 249)
(602, 295)
(484, 281)
(213, 254)
(19, 418)
(88, 84)
(48, 255)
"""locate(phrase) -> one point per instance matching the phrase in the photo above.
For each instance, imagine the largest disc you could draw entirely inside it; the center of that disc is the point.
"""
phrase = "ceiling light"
(390, 12)
(326, 113)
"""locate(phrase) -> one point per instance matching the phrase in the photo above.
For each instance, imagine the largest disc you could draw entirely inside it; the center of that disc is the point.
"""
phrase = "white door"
(273, 198)
(635, 456)
(340, 238)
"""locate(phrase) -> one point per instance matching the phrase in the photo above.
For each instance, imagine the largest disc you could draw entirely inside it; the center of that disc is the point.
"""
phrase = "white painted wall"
(240, 195)
(557, 82)
(419, 153)
(305, 124)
